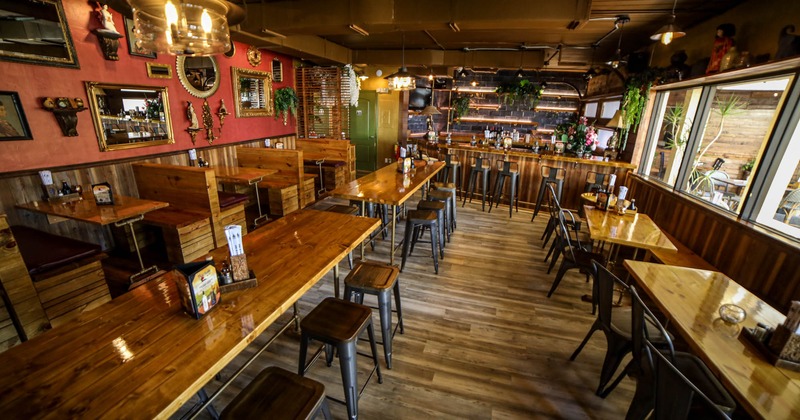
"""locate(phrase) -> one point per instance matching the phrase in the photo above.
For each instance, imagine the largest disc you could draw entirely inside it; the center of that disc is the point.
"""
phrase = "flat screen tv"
(419, 98)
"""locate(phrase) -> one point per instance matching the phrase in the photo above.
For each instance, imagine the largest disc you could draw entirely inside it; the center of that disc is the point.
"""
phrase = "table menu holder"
(198, 287)
(772, 357)
(239, 267)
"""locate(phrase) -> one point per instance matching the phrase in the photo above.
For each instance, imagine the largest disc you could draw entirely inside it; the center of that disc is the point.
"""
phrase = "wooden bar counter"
(141, 356)
(530, 169)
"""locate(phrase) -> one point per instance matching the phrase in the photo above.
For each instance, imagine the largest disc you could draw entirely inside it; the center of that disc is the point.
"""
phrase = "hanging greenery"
(634, 101)
(460, 106)
(285, 102)
(524, 93)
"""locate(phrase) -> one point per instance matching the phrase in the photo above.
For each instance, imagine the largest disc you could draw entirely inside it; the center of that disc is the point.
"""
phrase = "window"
(736, 126)
(781, 206)
(675, 113)
(609, 108)
(590, 111)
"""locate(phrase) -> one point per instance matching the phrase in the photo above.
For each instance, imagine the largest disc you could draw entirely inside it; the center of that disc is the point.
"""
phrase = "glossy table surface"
(636, 230)
(141, 356)
(691, 299)
(86, 210)
(387, 186)
(236, 174)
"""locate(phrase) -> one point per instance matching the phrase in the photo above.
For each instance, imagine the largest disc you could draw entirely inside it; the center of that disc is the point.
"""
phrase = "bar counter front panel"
(530, 170)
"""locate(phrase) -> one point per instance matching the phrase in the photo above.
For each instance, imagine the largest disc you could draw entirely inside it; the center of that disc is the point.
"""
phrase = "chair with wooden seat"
(451, 171)
(415, 221)
(453, 190)
(478, 167)
(549, 174)
(615, 324)
(510, 170)
(337, 324)
(378, 279)
(440, 208)
(278, 394)
(642, 367)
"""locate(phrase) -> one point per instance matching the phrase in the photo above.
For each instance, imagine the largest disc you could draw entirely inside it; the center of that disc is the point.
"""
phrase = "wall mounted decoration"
(107, 34)
(133, 45)
(277, 70)
(253, 56)
(159, 71)
(208, 122)
(194, 124)
(47, 17)
(66, 112)
(252, 92)
(222, 112)
(13, 125)
(128, 116)
(199, 75)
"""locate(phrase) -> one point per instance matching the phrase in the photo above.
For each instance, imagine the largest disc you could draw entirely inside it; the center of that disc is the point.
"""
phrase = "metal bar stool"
(440, 208)
(338, 323)
(451, 170)
(549, 174)
(415, 220)
(279, 394)
(479, 166)
(506, 169)
(378, 279)
(446, 197)
(451, 188)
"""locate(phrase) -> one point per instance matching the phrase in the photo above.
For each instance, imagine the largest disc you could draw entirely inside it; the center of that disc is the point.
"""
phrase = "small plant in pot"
(747, 168)
(285, 102)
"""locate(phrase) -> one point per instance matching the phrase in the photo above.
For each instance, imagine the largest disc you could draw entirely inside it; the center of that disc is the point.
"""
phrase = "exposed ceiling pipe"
(617, 21)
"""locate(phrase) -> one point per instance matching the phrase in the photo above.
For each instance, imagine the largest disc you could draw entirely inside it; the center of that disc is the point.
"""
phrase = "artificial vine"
(286, 101)
(634, 101)
(460, 107)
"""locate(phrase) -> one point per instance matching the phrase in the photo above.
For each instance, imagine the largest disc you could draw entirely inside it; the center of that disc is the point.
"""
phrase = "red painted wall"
(50, 148)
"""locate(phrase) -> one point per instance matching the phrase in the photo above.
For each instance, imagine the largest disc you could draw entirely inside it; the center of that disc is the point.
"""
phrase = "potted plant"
(285, 101)
(525, 92)
(460, 107)
(747, 168)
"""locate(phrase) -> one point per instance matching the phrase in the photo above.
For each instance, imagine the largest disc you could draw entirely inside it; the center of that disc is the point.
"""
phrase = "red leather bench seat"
(44, 251)
(227, 199)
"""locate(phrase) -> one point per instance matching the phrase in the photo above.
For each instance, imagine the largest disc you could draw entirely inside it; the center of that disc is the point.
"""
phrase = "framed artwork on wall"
(36, 17)
(132, 48)
(13, 125)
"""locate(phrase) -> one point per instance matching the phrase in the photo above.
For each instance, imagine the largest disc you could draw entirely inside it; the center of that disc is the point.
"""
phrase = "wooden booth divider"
(338, 155)
(288, 189)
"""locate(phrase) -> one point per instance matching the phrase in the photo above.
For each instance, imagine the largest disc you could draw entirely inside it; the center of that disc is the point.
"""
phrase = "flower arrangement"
(578, 137)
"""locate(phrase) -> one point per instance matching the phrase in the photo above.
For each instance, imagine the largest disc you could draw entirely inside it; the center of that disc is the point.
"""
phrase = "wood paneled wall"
(765, 264)
(26, 187)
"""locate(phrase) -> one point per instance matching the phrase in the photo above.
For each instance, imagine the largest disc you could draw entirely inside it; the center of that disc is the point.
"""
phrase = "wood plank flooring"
(482, 340)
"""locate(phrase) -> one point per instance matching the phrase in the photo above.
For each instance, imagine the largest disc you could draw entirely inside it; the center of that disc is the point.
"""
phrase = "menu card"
(198, 287)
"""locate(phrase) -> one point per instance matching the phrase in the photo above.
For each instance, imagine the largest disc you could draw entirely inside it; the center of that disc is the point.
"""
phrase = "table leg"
(336, 281)
(261, 216)
(129, 223)
(363, 214)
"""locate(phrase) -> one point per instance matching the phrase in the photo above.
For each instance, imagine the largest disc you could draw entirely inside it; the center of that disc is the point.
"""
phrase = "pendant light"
(520, 73)
(591, 72)
(616, 60)
(184, 27)
(402, 79)
(669, 31)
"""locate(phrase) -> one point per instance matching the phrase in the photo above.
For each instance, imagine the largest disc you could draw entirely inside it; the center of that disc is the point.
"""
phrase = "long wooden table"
(691, 299)
(141, 356)
(123, 213)
(388, 186)
(245, 176)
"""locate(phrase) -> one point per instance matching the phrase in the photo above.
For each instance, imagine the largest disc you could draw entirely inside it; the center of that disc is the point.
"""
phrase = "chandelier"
(402, 79)
(183, 27)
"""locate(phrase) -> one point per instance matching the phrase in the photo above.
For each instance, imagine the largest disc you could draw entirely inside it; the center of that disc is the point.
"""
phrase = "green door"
(364, 131)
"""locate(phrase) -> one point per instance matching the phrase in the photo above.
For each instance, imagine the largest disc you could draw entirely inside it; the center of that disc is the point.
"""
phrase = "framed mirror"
(128, 116)
(252, 93)
(199, 75)
(36, 32)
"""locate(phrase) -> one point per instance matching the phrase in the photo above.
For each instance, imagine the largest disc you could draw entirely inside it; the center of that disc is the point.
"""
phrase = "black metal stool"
(505, 170)
(440, 209)
(549, 174)
(450, 172)
(416, 219)
(278, 394)
(478, 167)
(449, 201)
(451, 188)
(378, 279)
(338, 323)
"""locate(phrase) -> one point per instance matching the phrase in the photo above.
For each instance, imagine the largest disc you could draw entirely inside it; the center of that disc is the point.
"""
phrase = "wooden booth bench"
(684, 257)
(195, 221)
(336, 157)
(67, 274)
(290, 187)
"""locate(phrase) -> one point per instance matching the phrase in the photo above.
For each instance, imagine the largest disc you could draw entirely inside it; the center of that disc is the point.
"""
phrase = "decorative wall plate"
(254, 56)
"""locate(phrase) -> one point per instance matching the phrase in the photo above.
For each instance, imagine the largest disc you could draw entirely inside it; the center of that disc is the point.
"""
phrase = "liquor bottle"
(65, 189)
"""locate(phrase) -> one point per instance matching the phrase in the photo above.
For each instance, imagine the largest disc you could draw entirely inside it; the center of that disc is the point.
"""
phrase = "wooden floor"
(482, 340)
